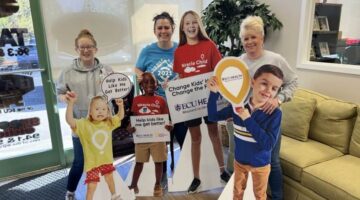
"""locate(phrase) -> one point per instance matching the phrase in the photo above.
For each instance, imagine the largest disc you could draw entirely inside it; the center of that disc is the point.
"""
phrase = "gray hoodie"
(86, 82)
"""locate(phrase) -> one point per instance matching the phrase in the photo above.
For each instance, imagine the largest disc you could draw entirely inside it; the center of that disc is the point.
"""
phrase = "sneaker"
(195, 184)
(116, 197)
(225, 177)
(164, 182)
(158, 192)
(70, 196)
(136, 189)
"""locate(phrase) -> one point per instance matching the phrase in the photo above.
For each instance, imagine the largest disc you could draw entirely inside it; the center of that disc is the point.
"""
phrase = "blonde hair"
(202, 35)
(85, 33)
(254, 23)
(92, 101)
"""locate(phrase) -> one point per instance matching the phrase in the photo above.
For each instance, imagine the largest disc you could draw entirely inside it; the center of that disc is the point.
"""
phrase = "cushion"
(355, 138)
(333, 123)
(334, 179)
(296, 155)
(296, 117)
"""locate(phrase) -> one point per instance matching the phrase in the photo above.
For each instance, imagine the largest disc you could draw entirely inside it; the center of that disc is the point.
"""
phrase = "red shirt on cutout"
(149, 105)
(191, 60)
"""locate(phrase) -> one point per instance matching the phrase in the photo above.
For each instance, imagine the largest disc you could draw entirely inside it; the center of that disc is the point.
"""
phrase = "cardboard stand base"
(209, 168)
(229, 188)
(102, 189)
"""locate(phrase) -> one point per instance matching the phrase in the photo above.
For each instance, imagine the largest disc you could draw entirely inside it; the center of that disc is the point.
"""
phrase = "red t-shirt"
(149, 105)
(191, 60)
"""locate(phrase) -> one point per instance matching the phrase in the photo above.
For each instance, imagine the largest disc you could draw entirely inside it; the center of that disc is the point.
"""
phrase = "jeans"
(77, 167)
(275, 178)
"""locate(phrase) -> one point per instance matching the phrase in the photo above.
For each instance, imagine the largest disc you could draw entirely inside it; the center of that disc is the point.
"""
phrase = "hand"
(270, 105)
(242, 112)
(131, 129)
(71, 97)
(164, 85)
(212, 84)
(120, 103)
(169, 127)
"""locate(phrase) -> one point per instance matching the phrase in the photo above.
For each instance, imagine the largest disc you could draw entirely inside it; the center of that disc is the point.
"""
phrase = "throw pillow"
(296, 117)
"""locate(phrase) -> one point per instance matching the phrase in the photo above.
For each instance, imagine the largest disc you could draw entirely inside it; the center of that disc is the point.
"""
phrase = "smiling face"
(191, 28)
(265, 87)
(163, 30)
(99, 110)
(253, 43)
(148, 84)
(86, 49)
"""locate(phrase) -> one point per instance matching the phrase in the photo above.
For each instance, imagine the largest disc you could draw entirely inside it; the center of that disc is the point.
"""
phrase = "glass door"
(30, 138)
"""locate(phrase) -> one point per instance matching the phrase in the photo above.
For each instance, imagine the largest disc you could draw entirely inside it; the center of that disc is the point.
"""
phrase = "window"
(330, 36)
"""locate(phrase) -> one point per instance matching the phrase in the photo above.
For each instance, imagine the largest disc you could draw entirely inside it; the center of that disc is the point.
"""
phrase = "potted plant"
(222, 19)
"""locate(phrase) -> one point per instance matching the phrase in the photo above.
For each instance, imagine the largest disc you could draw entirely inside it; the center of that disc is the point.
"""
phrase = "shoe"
(116, 197)
(195, 184)
(70, 196)
(158, 192)
(164, 182)
(135, 188)
(225, 177)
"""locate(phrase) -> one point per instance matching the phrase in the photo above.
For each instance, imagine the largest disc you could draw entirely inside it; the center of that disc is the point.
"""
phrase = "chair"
(352, 55)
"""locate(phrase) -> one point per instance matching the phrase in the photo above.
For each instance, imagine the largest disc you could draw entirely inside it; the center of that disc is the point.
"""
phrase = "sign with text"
(233, 79)
(116, 85)
(187, 98)
(150, 128)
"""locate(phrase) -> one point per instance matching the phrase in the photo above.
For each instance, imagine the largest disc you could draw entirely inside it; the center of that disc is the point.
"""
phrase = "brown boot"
(158, 191)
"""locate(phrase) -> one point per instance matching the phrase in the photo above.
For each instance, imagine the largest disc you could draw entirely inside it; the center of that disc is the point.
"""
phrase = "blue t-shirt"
(159, 62)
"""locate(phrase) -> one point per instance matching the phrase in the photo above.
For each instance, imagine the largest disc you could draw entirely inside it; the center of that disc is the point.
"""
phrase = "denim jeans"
(77, 167)
(275, 178)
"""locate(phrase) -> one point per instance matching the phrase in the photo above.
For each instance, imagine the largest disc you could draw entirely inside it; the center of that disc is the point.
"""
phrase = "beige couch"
(320, 149)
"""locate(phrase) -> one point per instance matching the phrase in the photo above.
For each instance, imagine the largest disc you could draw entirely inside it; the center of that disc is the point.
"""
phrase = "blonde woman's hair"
(202, 35)
(254, 23)
(85, 33)
(100, 98)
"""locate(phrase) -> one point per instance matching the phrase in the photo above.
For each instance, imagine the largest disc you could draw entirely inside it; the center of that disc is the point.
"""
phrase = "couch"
(320, 147)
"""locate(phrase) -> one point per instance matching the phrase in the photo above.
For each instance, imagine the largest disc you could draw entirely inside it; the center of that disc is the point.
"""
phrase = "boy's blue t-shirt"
(159, 62)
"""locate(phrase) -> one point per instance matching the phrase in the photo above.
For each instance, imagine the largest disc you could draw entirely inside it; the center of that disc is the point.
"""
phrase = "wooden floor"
(207, 195)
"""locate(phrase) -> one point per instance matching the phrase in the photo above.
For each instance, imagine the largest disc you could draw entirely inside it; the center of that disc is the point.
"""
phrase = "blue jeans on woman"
(275, 178)
(77, 167)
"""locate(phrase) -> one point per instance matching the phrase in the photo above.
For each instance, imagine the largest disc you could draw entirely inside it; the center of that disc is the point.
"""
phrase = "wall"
(285, 42)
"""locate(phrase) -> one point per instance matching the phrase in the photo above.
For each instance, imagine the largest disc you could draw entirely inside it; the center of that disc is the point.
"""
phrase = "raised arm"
(71, 98)
(121, 112)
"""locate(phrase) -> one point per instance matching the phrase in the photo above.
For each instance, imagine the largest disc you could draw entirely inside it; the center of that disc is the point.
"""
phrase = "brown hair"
(85, 33)
(164, 15)
(272, 69)
(100, 98)
(202, 35)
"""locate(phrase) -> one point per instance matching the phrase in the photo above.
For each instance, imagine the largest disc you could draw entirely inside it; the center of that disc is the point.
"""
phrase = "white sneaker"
(116, 197)
(70, 196)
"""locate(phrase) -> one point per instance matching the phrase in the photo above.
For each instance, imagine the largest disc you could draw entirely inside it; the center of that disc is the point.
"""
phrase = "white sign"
(116, 85)
(150, 128)
(187, 98)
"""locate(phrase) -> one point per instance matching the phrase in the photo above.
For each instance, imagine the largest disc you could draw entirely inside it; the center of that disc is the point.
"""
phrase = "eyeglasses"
(86, 48)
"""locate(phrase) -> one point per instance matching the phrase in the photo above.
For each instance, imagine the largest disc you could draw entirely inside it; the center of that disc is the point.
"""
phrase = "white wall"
(285, 42)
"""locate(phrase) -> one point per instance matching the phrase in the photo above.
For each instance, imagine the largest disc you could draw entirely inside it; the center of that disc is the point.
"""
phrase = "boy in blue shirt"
(255, 132)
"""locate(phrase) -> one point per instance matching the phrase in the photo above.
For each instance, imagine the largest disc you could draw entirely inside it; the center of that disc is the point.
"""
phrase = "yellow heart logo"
(233, 79)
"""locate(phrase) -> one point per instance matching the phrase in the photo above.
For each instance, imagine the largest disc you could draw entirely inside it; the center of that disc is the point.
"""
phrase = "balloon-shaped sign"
(233, 79)
(116, 85)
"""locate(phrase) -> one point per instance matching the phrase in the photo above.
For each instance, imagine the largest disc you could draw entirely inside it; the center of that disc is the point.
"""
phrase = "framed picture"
(312, 53)
(323, 23)
(316, 26)
(324, 49)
